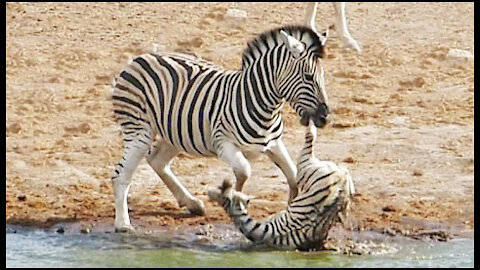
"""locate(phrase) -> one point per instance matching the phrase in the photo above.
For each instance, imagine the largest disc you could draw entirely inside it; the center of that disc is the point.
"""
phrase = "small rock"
(349, 160)
(419, 81)
(61, 230)
(389, 231)
(103, 78)
(14, 128)
(85, 230)
(22, 198)
(84, 127)
(417, 173)
(61, 142)
(360, 99)
(155, 48)
(195, 42)
(53, 80)
(236, 14)
(343, 124)
(459, 55)
(389, 208)
(427, 198)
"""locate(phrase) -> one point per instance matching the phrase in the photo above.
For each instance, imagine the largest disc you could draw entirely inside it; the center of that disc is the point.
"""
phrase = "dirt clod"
(14, 128)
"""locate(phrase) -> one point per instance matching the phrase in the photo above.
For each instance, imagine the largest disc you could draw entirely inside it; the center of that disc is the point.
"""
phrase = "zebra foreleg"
(159, 159)
(278, 154)
(232, 155)
(135, 150)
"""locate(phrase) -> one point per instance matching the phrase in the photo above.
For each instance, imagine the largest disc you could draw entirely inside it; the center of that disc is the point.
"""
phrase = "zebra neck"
(252, 94)
(306, 153)
(264, 71)
(259, 84)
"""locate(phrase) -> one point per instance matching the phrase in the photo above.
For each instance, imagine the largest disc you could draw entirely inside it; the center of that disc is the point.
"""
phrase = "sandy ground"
(403, 112)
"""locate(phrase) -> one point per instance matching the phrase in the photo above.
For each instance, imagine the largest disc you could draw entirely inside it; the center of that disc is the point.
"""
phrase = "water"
(45, 248)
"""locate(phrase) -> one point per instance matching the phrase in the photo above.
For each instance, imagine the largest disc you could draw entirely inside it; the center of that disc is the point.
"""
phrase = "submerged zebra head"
(303, 83)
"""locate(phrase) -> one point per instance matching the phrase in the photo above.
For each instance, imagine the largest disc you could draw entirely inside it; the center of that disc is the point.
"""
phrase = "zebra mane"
(260, 44)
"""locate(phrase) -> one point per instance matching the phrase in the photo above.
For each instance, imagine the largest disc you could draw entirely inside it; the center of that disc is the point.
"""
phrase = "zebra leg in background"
(135, 150)
(278, 154)
(230, 154)
(341, 27)
(310, 15)
(160, 159)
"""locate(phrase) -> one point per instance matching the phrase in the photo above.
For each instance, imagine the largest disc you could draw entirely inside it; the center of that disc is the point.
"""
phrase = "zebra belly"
(251, 154)
(253, 151)
(184, 133)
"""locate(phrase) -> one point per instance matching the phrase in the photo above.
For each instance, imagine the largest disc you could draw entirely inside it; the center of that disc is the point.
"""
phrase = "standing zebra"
(324, 191)
(169, 103)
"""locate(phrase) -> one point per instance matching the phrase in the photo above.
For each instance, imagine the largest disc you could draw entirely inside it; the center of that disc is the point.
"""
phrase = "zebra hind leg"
(135, 149)
(159, 159)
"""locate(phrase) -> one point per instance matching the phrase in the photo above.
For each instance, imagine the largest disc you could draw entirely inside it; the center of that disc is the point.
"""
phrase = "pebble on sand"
(236, 14)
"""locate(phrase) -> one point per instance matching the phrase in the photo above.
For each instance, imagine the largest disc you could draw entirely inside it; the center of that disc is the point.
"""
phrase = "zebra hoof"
(125, 229)
(197, 207)
(352, 44)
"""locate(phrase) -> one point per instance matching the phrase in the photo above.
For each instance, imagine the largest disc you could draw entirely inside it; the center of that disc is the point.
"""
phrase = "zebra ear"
(293, 45)
(323, 37)
(215, 195)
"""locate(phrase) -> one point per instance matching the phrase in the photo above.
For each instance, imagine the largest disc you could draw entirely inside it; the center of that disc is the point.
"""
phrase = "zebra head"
(302, 83)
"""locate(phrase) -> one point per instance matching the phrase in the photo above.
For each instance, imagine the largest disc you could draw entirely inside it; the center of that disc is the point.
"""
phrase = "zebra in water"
(324, 191)
(171, 103)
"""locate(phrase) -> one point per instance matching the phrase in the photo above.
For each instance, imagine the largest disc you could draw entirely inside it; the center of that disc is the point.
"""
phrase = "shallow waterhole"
(217, 245)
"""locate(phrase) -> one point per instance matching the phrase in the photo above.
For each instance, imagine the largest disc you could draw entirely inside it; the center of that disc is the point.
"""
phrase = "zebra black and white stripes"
(324, 191)
(171, 103)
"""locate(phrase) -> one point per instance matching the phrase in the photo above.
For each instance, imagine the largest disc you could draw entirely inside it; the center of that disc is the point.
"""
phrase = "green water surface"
(44, 248)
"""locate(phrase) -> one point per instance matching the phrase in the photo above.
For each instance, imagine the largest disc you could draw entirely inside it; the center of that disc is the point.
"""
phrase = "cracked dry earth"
(403, 112)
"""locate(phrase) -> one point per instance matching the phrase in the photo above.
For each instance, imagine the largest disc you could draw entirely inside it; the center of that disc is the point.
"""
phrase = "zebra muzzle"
(320, 122)
(319, 117)
(305, 119)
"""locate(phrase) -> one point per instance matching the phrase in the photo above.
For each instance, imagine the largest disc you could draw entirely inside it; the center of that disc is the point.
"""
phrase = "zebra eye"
(309, 77)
